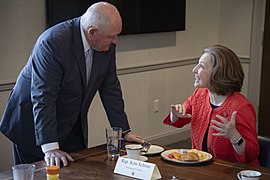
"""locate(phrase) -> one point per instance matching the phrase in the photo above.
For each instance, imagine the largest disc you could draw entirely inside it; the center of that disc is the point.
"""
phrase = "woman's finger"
(233, 118)
(218, 129)
(217, 123)
(223, 119)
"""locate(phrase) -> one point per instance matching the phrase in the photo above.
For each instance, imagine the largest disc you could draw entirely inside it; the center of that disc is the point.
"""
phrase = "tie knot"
(88, 55)
(88, 52)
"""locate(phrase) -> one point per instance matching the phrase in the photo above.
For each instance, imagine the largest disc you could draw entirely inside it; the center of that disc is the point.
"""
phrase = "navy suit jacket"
(50, 94)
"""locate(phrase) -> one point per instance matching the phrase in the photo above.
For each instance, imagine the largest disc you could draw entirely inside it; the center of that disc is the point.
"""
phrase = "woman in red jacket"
(223, 121)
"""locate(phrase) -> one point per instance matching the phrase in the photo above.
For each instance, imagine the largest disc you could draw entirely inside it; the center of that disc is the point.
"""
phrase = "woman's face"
(202, 71)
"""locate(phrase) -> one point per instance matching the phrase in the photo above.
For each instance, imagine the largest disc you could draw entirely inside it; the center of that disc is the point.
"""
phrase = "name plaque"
(136, 169)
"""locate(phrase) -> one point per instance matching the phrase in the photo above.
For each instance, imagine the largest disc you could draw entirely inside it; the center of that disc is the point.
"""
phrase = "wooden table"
(93, 164)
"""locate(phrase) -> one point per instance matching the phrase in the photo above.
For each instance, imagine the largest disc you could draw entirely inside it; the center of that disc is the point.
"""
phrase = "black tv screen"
(139, 16)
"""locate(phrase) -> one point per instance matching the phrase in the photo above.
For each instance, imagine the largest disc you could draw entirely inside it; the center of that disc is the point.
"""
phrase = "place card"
(136, 169)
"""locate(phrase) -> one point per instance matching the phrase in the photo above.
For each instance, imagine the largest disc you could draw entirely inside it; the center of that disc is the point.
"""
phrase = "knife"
(145, 147)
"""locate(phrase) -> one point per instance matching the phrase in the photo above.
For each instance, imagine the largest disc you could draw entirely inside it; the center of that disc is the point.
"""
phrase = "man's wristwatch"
(238, 142)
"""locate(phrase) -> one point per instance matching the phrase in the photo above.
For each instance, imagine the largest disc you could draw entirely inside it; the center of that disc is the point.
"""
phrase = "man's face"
(101, 41)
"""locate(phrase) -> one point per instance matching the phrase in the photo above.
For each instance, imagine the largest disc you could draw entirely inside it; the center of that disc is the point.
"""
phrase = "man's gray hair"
(97, 17)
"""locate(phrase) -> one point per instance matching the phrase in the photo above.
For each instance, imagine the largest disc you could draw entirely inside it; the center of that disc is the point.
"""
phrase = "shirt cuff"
(124, 133)
(49, 146)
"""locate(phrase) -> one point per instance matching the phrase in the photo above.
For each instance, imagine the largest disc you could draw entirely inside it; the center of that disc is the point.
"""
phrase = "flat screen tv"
(139, 16)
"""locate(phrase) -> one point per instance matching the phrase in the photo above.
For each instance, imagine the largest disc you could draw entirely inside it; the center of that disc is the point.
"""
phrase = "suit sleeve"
(45, 87)
(111, 97)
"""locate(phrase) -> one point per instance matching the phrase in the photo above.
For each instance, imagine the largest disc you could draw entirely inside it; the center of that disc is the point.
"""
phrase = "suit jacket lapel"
(78, 51)
(80, 58)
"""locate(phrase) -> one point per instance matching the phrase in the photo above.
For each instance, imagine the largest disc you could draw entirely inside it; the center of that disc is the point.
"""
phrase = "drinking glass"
(113, 136)
(23, 171)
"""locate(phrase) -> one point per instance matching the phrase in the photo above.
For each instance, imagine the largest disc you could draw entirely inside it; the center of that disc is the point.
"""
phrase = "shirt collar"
(86, 46)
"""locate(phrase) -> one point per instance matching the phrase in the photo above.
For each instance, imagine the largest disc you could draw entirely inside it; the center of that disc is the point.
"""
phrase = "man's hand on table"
(54, 157)
(132, 137)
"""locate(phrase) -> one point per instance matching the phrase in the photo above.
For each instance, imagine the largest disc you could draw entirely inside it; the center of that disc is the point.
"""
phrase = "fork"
(145, 146)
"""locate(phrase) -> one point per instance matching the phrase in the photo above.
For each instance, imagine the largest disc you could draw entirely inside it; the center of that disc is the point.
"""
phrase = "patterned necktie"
(88, 62)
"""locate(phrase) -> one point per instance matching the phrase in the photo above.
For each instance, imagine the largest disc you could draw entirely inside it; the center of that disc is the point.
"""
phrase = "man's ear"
(91, 31)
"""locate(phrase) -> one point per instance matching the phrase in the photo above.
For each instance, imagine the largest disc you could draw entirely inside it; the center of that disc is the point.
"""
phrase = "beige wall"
(207, 22)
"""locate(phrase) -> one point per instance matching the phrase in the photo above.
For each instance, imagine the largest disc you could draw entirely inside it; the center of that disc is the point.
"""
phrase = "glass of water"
(113, 136)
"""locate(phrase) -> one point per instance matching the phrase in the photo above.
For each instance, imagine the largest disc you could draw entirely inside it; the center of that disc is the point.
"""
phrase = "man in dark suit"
(46, 114)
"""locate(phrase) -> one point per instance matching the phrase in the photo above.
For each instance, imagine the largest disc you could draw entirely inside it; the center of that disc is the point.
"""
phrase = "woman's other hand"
(179, 110)
(225, 128)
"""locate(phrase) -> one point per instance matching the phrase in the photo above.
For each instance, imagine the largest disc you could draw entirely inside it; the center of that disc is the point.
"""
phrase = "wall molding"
(153, 67)
(171, 136)
(6, 86)
(139, 69)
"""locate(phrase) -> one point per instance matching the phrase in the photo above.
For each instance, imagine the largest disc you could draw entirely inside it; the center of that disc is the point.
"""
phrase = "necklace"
(217, 100)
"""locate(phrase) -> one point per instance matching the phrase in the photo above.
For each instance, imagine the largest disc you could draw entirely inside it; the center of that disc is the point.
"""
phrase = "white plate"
(154, 149)
(142, 158)
(165, 154)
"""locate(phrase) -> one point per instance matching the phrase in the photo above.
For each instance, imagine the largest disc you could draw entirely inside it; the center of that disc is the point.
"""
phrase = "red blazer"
(198, 105)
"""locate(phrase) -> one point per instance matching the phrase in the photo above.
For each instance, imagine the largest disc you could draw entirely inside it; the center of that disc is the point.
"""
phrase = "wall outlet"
(156, 105)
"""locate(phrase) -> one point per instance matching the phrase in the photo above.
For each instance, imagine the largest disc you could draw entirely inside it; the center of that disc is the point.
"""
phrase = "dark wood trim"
(264, 117)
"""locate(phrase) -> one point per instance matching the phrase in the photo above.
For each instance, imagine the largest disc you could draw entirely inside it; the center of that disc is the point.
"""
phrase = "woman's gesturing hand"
(179, 110)
(225, 128)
